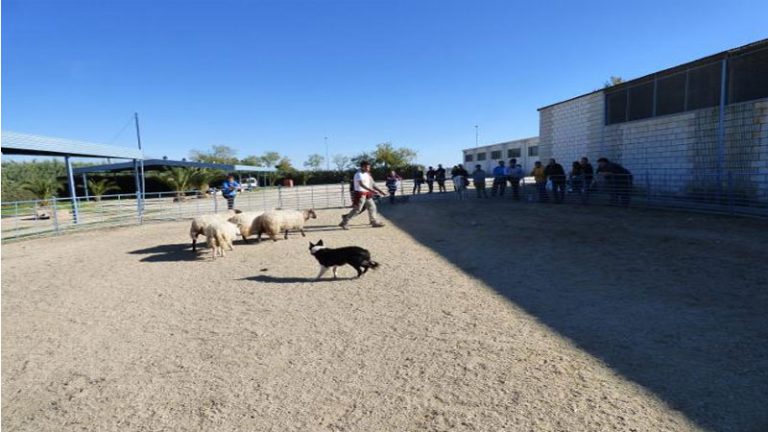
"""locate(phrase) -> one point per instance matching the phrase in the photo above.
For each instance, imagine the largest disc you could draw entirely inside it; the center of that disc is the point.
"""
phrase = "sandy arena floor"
(484, 316)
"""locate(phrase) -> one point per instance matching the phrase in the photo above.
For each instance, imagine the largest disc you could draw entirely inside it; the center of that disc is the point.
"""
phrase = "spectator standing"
(618, 181)
(589, 178)
(418, 180)
(229, 191)
(393, 182)
(365, 190)
(515, 174)
(460, 180)
(478, 178)
(499, 179)
(430, 179)
(541, 181)
(556, 175)
(576, 178)
(440, 177)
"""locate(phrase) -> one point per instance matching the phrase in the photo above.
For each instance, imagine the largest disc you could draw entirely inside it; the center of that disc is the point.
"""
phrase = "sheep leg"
(194, 245)
(302, 233)
(286, 234)
(323, 269)
(335, 276)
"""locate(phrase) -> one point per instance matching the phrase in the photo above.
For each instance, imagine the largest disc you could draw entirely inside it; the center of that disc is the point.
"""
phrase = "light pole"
(327, 161)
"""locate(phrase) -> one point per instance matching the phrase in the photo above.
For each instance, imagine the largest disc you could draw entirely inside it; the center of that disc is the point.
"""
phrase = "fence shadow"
(672, 301)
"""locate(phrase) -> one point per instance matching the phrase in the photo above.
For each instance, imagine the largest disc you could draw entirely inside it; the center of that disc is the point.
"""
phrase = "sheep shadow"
(169, 253)
(289, 279)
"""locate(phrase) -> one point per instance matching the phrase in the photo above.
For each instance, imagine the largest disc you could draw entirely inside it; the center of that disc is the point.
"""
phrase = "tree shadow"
(676, 308)
(171, 253)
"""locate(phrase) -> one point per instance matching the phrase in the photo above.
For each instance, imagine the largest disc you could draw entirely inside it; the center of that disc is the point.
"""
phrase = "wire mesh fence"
(732, 192)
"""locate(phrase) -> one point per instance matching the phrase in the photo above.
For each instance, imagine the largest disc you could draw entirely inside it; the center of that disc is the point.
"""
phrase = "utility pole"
(327, 161)
(140, 192)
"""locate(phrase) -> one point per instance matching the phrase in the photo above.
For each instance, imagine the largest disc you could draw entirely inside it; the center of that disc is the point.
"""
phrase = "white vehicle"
(250, 183)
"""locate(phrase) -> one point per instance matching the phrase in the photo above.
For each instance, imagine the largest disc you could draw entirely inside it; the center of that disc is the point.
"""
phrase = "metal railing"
(732, 192)
(23, 219)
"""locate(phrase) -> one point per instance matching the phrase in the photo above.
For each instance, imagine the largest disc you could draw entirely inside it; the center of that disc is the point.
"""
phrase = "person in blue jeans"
(499, 179)
(229, 191)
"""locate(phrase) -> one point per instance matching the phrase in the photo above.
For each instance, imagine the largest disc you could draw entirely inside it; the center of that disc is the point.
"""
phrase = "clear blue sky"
(281, 75)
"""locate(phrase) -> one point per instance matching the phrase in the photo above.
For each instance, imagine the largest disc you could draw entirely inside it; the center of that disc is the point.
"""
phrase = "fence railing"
(730, 192)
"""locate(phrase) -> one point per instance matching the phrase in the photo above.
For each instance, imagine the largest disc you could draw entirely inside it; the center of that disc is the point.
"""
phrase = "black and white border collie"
(357, 257)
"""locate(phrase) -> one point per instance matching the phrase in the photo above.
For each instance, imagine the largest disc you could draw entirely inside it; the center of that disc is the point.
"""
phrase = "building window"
(704, 86)
(748, 76)
(616, 107)
(533, 151)
(468, 157)
(641, 101)
(670, 94)
(481, 156)
(496, 154)
(514, 153)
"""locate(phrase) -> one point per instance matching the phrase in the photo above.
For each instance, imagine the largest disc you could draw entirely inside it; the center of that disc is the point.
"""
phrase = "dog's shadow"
(282, 279)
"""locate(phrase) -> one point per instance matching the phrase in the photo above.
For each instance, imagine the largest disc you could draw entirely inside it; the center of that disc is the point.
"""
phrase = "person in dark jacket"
(556, 175)
(576, 178)
(618, 181)
(440, 177)
(589, 178)
(418, 179)
(431, 174)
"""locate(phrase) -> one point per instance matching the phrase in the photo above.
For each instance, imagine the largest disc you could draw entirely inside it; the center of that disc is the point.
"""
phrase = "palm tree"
(42, 188)
(101, 187)
(178, 179)
(202, 177)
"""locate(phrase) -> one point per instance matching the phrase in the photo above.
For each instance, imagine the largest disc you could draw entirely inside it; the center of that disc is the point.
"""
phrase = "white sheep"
(220, 235)
(200, 222)
(246, 223)
(276, 221)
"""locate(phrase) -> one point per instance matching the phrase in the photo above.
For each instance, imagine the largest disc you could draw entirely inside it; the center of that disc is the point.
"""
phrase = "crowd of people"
(552, 182)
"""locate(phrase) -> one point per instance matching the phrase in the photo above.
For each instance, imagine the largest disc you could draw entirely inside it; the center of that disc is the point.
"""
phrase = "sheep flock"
(221, 229)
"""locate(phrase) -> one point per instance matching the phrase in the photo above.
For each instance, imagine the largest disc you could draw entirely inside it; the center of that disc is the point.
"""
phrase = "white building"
(526, 151)
(696, 131)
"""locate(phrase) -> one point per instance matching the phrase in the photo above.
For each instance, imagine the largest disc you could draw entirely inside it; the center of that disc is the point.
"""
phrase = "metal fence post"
(731, 209)
(55, 215)
(16, 221)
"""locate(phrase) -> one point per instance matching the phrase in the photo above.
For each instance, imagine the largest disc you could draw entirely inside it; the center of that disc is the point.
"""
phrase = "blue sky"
(281, 75)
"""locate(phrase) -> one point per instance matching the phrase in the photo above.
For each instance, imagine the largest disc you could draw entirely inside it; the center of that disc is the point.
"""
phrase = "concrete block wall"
(677, 154)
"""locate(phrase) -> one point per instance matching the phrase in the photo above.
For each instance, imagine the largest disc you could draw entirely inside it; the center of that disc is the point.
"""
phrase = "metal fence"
(22, 219)
(742, 192)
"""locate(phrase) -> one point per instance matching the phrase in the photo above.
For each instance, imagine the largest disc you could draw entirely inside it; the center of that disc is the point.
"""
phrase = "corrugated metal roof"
(27, 144)
(162, 163)
(754, 46)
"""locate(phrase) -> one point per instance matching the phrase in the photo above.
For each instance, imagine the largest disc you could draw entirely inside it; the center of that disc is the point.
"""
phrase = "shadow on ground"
(289, 280)
(170, 252)
(672, 301)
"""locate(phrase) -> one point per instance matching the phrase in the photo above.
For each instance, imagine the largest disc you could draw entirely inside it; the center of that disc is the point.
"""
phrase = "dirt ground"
(483, 316)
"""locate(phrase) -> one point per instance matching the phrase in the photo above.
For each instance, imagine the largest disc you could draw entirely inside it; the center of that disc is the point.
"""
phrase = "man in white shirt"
(365, 190)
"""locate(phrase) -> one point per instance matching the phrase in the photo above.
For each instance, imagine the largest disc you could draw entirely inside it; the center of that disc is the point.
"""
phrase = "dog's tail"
(371, 264)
